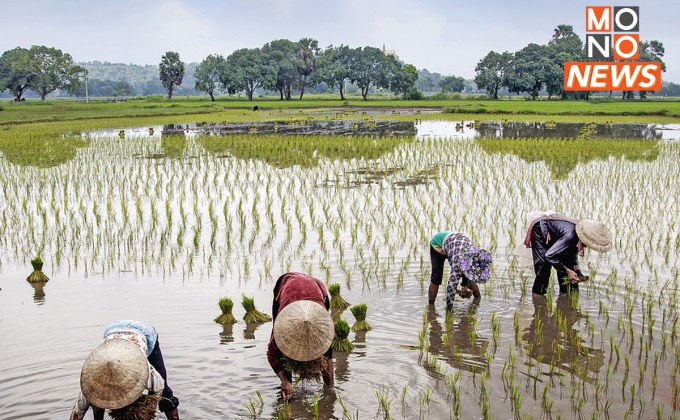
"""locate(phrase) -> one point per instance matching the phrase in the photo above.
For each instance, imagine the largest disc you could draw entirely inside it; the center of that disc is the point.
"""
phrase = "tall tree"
(247, 69)
(16, 71)
(281, 56)
(333, 66)
(307, 51)
(208, 74)
(53, 70)
(490, 72)
(171, 71)
(367, 69)
(452, 84)
(565, 45)
(530, 68)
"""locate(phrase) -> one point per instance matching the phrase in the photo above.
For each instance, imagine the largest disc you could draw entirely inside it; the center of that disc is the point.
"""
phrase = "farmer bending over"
(469, 266)
(303, 331)
(117, 372)
(556, 241)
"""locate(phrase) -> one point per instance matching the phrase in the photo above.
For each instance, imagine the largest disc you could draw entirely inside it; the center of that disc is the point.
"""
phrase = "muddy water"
(128, 235)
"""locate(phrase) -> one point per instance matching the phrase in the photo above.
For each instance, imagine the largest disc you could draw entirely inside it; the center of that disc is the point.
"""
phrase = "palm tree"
(308, 49)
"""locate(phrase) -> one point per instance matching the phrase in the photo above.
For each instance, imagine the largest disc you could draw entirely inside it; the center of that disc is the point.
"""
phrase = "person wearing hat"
(116, 373)
(557, 241)
(469, 266)
(303, 329)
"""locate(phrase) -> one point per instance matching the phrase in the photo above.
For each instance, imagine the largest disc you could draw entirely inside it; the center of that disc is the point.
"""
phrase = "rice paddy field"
(158, 223)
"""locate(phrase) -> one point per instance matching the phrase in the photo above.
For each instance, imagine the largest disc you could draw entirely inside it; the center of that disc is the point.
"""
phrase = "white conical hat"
(304, 330)
(114, 375)
(594, 235)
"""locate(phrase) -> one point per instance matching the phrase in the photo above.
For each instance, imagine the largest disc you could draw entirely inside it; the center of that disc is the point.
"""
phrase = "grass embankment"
(194, 109)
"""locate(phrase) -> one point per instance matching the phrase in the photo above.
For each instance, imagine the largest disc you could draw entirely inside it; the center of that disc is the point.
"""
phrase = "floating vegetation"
(340, 341)
(359, 312)
(336, 300)
(226, 305)
(252, 315)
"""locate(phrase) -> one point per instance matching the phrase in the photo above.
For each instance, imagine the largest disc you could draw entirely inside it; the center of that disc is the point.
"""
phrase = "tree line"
(540, 66)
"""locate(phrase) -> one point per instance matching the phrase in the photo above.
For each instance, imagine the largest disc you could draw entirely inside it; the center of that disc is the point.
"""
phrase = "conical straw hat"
(114, 375)
(304, 330)
(594, 235)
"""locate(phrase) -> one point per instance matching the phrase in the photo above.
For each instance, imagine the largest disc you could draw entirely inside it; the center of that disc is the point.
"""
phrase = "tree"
(307, 51)
(651, 51)
(53, 70)
(529, 70)
(490, 72)
(367, 69)
(402, 78)
(208, 74)
(565, 45)
(16, 71)
(333, 66)
(280, 54)
(171, 71)
(452, 84)
(428, 82)
(246, 70)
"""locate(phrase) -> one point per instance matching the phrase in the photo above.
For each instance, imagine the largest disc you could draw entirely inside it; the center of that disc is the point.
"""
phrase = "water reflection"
(307, 403)
(551, 338)
(564, 154)
(41, 151)
(286, 151)
(227, 334)
(249, 330)
(461, 347)
(566, 130)
(174, 141)
(38, 292)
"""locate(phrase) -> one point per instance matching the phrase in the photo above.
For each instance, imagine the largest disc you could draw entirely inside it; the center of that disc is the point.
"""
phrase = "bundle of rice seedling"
(311, 370)
(37, 276)
(340, 341)
(144, 408)
(336, 300)
(226, 305)
(252, 314)
(359, 312)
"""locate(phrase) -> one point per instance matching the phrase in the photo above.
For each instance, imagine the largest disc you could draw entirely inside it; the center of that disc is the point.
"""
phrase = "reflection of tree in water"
(461, 347)
(562, 155)
(173, 141)
(566, 130)
(286, 151)
(42, 151)
(551, 338)
(38, 292)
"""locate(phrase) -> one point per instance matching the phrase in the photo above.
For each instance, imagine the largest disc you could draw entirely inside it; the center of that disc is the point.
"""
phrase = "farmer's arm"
(475, 291)
(80, 408)
(275, 357)
(286, 385)
(565, 244)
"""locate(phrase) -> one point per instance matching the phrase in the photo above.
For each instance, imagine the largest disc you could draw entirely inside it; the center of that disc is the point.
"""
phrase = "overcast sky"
(444, 36)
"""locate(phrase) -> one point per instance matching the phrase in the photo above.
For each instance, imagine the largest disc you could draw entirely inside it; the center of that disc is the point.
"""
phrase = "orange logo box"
(597, 76)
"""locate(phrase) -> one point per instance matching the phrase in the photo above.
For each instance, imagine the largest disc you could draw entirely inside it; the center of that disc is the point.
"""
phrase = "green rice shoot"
(340, 342)
(143, 408)
(359, 312)
(310, 370)
(226, 305)
(252, 314)
(337, 301)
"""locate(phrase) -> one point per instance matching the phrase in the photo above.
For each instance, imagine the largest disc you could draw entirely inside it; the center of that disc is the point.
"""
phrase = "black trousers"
(542, 266)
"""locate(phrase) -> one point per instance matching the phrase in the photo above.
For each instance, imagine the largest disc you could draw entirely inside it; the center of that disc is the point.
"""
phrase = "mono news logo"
(612, 37)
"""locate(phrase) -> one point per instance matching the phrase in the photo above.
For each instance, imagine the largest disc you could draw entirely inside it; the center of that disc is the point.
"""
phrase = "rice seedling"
(37, 276)
(226, 317)
(340, 342)
(359, 312)
(252, 315)
(143, 408)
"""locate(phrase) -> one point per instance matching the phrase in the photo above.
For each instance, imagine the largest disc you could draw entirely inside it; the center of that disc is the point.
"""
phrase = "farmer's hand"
(286, 390)
(572, 276)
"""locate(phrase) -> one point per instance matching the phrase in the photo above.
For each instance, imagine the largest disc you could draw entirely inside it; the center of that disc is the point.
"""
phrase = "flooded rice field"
(158, 227)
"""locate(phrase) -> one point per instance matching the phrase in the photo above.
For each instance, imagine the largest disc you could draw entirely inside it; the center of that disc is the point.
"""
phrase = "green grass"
(193, 109)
